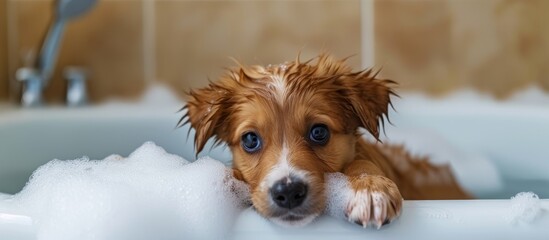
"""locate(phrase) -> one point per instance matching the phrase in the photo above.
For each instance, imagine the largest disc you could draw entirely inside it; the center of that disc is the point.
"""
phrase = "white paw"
(372, 208)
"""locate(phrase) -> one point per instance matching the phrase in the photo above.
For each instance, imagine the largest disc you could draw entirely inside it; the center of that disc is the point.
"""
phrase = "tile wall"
(128, 44)
(496, 46)
(435, 46)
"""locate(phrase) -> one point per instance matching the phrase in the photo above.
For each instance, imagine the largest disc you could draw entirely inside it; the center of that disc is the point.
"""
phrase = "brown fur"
(248, 98)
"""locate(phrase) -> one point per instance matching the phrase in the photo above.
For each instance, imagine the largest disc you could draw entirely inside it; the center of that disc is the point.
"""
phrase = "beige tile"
(108, 42)
(519, 44)
(3, 52)
(497, 46)
(195, 38)
(412, 40)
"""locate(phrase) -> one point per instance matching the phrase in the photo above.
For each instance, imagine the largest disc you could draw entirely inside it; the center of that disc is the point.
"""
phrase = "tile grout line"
(149, 45)
(367, 33)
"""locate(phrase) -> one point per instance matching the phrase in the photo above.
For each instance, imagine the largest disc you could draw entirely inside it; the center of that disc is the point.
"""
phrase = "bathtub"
(512, 135)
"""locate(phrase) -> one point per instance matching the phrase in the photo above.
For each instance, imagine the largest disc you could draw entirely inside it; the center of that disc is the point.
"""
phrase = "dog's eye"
(251, 142)
(319, 134)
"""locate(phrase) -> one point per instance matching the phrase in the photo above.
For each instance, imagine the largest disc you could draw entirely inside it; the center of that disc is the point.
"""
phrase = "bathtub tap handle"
(32, 86)
(76, 86)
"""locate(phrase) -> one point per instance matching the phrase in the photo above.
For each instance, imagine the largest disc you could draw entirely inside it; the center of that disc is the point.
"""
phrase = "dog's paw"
(376, 201)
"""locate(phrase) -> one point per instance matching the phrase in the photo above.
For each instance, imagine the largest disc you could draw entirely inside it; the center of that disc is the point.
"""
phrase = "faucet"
(35, 78)
(76, 88)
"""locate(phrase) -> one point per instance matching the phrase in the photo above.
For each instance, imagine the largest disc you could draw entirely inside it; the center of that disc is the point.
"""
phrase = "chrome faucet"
(36, 77)
(76, 88)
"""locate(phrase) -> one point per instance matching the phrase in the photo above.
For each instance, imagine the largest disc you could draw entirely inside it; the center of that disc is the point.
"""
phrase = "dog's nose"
(288, 194)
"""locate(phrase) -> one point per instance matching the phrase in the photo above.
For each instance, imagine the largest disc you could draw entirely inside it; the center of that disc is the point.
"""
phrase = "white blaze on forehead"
(278, 86)
(283, 169)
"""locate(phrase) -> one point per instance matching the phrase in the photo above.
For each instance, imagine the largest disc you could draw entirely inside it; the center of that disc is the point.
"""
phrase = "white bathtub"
(512, 135)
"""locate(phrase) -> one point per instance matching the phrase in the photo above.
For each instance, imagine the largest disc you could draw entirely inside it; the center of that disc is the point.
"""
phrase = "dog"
(289, 124)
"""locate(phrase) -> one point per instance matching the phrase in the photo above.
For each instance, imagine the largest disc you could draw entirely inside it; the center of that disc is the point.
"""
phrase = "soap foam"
(525, 207)
(149, 195)
(338, 193)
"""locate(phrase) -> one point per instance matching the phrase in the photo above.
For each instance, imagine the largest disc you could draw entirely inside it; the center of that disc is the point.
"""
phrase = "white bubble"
(525, 207)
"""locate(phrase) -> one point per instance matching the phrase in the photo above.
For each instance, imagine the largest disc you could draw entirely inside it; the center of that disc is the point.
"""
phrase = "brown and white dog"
(289, 124)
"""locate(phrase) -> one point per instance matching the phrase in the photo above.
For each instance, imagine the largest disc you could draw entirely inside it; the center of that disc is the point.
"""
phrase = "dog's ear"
(206, 110)
(368, 99)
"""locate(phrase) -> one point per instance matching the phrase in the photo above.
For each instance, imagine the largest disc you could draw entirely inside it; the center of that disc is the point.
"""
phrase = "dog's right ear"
(206, 111)
(369, 98)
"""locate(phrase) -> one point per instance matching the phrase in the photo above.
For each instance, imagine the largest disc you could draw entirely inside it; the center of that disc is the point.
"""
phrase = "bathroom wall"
(3, 53)
(496, 46)
(108, 42)
(435, 46)
(128, 44)
(195, 38)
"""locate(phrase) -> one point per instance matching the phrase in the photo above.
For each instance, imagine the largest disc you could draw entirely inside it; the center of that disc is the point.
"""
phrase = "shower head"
(64, 11)
(67, 9)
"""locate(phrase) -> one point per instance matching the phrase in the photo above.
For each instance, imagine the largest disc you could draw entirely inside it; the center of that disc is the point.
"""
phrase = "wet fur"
(282, 102)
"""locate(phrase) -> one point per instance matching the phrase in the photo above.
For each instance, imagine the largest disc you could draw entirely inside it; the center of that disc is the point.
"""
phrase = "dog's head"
(287, 125)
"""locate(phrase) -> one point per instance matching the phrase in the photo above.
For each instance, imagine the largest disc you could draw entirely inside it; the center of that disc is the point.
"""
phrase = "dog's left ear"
(368, 98)
(206, 111)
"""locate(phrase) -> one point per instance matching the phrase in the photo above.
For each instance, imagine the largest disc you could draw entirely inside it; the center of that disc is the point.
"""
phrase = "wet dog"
(289, 124)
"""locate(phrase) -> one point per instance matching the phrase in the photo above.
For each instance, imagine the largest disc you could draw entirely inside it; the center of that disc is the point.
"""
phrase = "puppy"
(289, 124)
